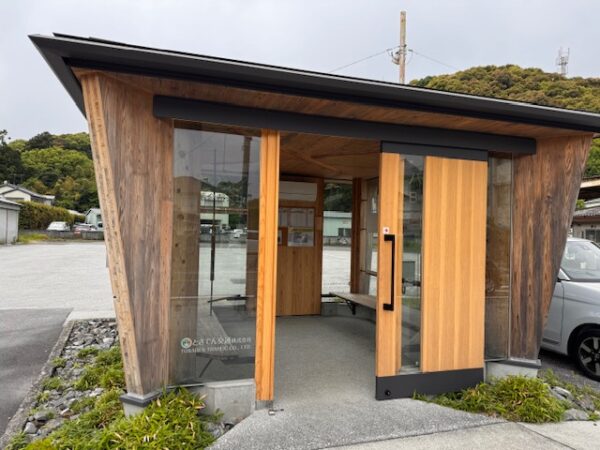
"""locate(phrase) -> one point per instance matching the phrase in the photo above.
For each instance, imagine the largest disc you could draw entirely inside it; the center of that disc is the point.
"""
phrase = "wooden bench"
(351, 299)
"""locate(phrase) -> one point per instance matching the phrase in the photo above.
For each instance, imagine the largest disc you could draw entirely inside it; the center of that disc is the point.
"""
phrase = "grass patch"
(171, 421)
(43, 397)
(53, 383)
(59, 362)
(515, 398)
(17, 442)
(27, 238)
(579, 392)
(106, 371)
(88, 351)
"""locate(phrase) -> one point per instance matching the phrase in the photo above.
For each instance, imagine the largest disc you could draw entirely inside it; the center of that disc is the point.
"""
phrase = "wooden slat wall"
(391, 192)
(133, 153)
(299, 269)
(453, 284)
(545, 190)
(267, 265)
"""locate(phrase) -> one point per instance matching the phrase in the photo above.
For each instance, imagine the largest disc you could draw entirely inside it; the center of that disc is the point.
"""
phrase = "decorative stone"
(216, 429)
(42, 416)
(575, 414)
(30, 428)
(586, 403)
(563, 393)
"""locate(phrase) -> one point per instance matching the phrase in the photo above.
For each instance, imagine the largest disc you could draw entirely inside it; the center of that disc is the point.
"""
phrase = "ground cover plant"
(91, 379)
(514, 398)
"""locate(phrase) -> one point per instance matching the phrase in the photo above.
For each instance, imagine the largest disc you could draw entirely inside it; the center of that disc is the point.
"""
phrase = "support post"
(267, 265)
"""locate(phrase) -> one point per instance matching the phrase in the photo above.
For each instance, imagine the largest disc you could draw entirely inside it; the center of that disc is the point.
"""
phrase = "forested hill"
(527, 85)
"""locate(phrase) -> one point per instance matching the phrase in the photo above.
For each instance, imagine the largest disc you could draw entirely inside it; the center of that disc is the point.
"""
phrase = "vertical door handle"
(391, 238)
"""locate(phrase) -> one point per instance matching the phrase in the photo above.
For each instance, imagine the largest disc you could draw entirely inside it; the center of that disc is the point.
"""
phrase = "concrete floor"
(325, 393)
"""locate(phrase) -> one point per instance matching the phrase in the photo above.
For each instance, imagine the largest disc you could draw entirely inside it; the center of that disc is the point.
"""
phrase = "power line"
(433, 59)
(364, 59)
(390, 52)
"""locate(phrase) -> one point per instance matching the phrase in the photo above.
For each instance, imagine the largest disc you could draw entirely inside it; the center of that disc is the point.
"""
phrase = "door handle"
(391, 238)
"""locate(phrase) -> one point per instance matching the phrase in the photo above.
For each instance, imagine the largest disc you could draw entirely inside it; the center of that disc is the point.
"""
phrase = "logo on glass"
(186, 342)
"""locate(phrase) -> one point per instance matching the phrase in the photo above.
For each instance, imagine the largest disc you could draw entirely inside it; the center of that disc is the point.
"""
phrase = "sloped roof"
(64, 51)
(15, 187)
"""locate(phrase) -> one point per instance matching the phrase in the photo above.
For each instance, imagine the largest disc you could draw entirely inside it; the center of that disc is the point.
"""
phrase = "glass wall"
(369, 268)
(214, 262)
(412, 226)
(498, 258)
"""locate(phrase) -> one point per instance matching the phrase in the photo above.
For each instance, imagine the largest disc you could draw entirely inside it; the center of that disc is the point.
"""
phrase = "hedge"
(37, 216)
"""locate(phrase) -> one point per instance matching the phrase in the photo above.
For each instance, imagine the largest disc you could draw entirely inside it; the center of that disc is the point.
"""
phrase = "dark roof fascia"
(61, 52)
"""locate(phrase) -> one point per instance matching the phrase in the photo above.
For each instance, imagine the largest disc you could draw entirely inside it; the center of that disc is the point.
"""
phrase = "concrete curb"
(18, 420)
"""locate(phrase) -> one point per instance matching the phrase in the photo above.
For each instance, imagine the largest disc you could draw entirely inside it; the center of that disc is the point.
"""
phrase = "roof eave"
(62, 52)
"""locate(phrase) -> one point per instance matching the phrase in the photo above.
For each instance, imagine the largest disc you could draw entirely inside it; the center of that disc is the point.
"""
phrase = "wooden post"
(391, 187)
(356, 234)
(133, 160)
(267, 265)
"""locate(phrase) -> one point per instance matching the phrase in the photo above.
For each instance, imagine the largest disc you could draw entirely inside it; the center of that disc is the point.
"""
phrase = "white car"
(573, 324)
(58, 226)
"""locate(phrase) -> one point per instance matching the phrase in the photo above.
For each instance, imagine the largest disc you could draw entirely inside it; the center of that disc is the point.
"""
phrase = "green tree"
(11, 168)
(42, 140)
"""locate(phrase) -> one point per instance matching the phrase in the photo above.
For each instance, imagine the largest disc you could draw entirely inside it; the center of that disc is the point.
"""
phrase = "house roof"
(15, 187)
(63, 52)
(9, 204)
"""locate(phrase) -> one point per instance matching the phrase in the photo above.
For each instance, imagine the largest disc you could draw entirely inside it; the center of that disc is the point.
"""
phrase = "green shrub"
(37, 216)
(169, 422)
(514, 398)
(26, 238)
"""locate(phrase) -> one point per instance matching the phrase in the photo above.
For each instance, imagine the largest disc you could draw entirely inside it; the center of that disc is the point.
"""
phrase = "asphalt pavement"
(26, 338)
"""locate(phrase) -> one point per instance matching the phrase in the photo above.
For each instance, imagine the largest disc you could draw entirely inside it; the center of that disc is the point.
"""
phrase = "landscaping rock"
(564, 393)
(30, 428)
(575, 414)
(216, 429)
(43, 416)
(586, 403)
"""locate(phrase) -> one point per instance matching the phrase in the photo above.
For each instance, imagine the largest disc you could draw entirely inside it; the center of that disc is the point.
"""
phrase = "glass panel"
(369, 271)
(411, 262)
(337, 235)
(497, 284)
(215, 232)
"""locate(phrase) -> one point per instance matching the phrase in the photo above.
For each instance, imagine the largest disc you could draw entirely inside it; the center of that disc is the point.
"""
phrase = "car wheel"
(586, 351)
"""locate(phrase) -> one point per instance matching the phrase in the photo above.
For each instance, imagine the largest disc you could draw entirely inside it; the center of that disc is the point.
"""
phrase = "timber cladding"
(545, 188)
(453, 283)
(133, 155)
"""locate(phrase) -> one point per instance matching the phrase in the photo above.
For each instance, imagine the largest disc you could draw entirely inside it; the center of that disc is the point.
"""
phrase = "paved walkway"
(506, 436)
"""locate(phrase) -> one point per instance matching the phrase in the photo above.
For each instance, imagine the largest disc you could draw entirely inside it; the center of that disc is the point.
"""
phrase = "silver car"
(573, 325)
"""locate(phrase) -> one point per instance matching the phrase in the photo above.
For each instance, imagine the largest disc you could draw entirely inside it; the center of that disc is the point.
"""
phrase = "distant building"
(337, 227)
(220, 215)
(9, 221)
(93, 216)
(15, 193)
(586, 221)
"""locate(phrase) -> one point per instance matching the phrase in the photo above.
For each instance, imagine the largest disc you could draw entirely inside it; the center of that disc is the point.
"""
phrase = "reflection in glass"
(214, 256)
(411, 262)
(498, 241)
(369, 271)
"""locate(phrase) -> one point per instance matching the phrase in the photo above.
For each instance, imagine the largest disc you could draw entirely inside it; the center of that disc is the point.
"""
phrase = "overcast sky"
(310, 34)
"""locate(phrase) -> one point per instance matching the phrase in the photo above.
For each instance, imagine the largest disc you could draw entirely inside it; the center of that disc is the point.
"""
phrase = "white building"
(9, 221)
(18, 193)
(93, 216)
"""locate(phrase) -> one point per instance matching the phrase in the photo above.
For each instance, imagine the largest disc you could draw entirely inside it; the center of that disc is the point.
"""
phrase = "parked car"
(78, 228)
(573, 324)
(59, 226)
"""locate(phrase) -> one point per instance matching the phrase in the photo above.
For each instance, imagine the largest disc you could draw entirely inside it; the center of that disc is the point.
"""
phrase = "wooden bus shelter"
(210, 175)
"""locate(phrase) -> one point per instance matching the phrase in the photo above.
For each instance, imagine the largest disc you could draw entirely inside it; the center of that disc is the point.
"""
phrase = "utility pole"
(400, 56)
